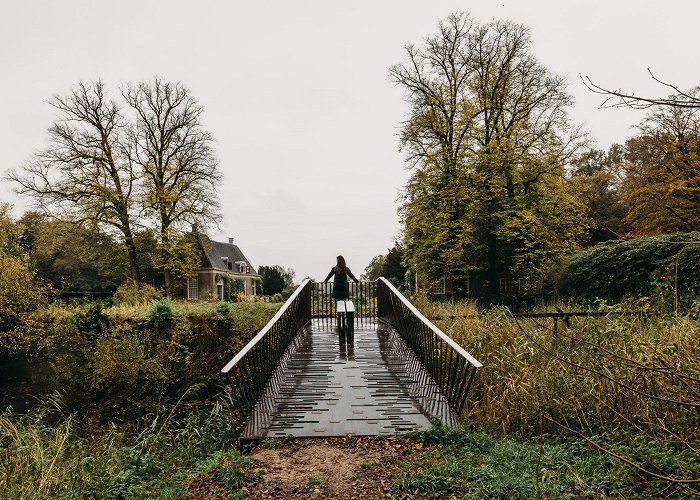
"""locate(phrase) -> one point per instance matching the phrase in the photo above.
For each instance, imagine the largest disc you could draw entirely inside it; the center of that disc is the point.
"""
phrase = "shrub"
(123, 374)
(19, 294)
(223, 308)
(160, 314)
(90, 321)
(642, 266)
(128, 294)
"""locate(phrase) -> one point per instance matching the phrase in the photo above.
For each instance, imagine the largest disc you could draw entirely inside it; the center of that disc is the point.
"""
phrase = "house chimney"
(230, 241)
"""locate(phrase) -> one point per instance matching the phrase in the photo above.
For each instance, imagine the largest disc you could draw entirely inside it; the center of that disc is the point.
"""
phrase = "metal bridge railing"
(362, 294)
(451, 367)
(250, 370)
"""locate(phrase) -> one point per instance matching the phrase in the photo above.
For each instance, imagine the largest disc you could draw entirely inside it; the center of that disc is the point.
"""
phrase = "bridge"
(381, 369)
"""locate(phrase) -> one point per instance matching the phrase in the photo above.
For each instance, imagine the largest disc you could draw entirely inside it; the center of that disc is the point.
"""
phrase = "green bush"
(638, 267)
(90, 321)
(124, 374)
(222, 308)
(19, 296)
(161, 314)
(108, 360)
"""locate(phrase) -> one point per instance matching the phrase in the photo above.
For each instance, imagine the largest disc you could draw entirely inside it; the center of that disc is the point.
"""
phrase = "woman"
(340, 282)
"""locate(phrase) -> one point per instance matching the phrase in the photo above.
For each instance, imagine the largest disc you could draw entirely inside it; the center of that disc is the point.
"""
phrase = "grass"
(546, 404)
(50, 454)
(628, 384)
(461, 463)
(237, 310)
(314, 481)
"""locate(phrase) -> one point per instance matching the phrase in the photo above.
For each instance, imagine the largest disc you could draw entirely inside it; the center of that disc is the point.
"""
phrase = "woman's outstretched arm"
(352, 276)
(329, 275)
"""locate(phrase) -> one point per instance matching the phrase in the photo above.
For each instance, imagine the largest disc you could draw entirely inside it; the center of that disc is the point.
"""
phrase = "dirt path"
(341, 468)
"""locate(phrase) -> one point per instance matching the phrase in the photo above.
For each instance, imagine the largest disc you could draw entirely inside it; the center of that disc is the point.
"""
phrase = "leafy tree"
(661, 175)
(68, 256)
(273, 280)
(10, 232)
(487, 137)
(389, 266)
(84, 174)
(114, 260)
(288, 274)
(595, 178)
(176, 156)
(374, 268)
(19, 290)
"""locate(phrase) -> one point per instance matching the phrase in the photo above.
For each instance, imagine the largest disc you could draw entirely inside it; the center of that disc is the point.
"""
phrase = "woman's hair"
(341, 267)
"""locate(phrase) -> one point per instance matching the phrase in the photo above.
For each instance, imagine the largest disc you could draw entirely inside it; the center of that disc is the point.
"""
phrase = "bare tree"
(176, 157)
(620, 99)
(84, 174)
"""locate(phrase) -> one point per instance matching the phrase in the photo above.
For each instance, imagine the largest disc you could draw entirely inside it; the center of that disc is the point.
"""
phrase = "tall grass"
(48, 453)
(629, 384)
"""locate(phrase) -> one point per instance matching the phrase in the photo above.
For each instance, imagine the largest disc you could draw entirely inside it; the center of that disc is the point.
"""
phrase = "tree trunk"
(165, 261)
(492, 271)
(133, 258)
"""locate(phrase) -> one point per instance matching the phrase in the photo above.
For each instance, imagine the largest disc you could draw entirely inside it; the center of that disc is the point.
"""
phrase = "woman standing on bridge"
(340, 282)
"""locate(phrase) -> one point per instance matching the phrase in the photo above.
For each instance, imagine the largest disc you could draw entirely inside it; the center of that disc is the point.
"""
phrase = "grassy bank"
(127, 359)
(190, 452)
(49, 453)
(627, 385)
(602, 407)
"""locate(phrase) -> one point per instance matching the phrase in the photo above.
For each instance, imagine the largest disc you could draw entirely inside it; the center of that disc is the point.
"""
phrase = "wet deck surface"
(328, 385)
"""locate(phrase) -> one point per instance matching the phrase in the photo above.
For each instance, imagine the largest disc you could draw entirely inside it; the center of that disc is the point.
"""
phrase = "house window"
(502, 285)
(247, 269)
(192, 289)
(241, 267)
(220, 291)
(439, 287)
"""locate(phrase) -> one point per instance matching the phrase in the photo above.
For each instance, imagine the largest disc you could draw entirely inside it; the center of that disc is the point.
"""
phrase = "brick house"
(224, 271)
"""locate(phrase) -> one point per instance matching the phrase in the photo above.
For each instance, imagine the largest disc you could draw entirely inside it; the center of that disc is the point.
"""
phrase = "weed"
(231, 476)
(314, 481)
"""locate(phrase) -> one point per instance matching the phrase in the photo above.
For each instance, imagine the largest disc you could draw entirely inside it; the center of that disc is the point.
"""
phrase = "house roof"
(215, 253)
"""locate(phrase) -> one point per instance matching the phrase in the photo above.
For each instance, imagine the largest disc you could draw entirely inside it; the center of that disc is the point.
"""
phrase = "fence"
(363, 295)
(251, 369)
(451, 367)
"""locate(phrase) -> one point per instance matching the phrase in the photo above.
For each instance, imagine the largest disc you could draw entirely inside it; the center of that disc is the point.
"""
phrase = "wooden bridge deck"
(327, 385)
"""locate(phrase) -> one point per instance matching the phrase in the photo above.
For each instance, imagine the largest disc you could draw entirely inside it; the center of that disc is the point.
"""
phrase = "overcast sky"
(298, 97)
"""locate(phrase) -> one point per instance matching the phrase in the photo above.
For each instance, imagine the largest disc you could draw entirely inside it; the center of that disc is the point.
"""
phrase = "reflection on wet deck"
(330, 385)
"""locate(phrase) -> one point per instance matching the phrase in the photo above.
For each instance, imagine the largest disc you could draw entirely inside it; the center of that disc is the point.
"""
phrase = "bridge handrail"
(250, 345)
(447, 339)
(449, 364)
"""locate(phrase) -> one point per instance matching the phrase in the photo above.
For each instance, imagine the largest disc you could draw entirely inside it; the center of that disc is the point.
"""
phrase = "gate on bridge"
(303, 375)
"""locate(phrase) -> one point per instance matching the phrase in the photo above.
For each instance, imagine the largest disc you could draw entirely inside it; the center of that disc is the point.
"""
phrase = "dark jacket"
(340, 283)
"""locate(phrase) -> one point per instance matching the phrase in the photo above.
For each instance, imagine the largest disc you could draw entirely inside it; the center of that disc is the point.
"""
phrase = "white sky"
(298, 97)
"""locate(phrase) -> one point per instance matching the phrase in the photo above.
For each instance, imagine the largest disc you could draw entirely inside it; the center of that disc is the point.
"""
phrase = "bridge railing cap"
(265, 329)
(430, 325)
